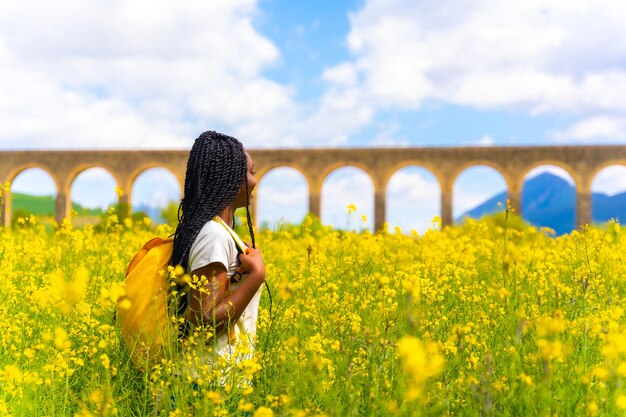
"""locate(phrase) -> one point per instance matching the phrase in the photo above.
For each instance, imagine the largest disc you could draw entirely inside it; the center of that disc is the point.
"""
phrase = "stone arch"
(481, 162)
(602, 208)
(413, 213)
(551, 162)
(378, 191)
(152, 191)
(404, 164)
(7, 209)
(127, 187)
(313, 186)
(76, 171)
(597, 169)
(64, 201)
(261, 172)
(262, 178)
(21, 168)
(543, 213)
(329, 169)
(498, 171)
(370, 180)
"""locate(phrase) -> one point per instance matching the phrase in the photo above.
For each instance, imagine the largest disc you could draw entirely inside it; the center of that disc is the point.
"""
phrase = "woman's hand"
(252, 262)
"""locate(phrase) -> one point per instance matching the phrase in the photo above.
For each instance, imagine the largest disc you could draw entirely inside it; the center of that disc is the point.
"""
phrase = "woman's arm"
(211, 306)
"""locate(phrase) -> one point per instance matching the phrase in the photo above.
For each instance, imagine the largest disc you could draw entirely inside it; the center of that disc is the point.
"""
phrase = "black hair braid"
(248, 216)
(269, 292)
(216, 168)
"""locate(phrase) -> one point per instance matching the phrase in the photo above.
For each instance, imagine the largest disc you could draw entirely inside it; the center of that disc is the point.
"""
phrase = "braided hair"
(216, 168)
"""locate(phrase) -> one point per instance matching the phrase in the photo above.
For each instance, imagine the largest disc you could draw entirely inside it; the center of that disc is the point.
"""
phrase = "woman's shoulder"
(213, 244)
(214, 230)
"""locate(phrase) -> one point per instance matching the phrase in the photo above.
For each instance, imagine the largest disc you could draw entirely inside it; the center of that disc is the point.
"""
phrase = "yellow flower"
(105, 361)
(551, 349)
(421, 361)
(592, 408)
(620, 402)
(351, 208)
(526, 379)
(60, 339)
(12, 373)
(215, 397)
(601, 373)
(244, 405)
(263, 412)
(96, 396)
(68, 294)
(549, 326)
(179, 270)
(125, 304)
(436, 222)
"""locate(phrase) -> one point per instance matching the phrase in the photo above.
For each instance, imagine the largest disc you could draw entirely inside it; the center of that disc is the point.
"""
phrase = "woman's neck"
(227, 215)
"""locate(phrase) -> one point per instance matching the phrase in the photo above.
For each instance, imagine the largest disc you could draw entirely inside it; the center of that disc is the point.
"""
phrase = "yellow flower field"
(488, 318)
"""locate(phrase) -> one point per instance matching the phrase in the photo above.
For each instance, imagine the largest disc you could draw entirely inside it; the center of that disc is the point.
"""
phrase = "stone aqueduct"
(581, 162)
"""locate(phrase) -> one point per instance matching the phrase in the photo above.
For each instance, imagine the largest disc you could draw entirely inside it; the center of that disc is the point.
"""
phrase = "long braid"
(269, 292)
(216, 168)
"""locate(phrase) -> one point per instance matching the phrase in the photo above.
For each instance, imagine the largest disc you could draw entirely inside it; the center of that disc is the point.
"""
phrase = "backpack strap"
(232, 336)
(240, 245)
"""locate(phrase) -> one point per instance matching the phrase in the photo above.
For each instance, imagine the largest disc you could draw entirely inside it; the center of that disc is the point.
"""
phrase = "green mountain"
(43, 205)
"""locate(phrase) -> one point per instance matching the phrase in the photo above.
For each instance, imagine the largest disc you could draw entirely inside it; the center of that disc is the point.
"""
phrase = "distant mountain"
(549, 200)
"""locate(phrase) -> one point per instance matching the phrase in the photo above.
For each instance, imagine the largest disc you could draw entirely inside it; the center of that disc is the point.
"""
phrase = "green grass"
(44, 205)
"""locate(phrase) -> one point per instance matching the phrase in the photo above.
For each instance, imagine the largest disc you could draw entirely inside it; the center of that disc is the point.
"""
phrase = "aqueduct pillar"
(446, 202)
(315, 198)
(380, 208)
(63, 206)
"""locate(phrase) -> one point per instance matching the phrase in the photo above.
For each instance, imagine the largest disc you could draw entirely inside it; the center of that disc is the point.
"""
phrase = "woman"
(219, 179)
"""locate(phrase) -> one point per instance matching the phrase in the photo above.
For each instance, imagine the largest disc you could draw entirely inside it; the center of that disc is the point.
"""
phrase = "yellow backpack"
(145, 312)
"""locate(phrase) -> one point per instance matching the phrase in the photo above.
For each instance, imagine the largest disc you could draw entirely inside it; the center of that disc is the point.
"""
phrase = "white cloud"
(419, 186)
(529, 56)
(599, 127)
(610, 181)
(388, 136)
(486, 140)
(147, 74)
(344, 74)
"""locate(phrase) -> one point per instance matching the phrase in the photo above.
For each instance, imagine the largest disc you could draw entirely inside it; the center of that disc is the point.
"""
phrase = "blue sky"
(275, 73)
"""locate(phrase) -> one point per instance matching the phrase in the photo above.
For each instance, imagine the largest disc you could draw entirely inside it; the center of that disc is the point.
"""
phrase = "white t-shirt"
(215, 244)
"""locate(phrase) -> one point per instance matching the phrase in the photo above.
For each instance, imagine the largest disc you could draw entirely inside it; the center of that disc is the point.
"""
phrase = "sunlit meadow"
(487, 318)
